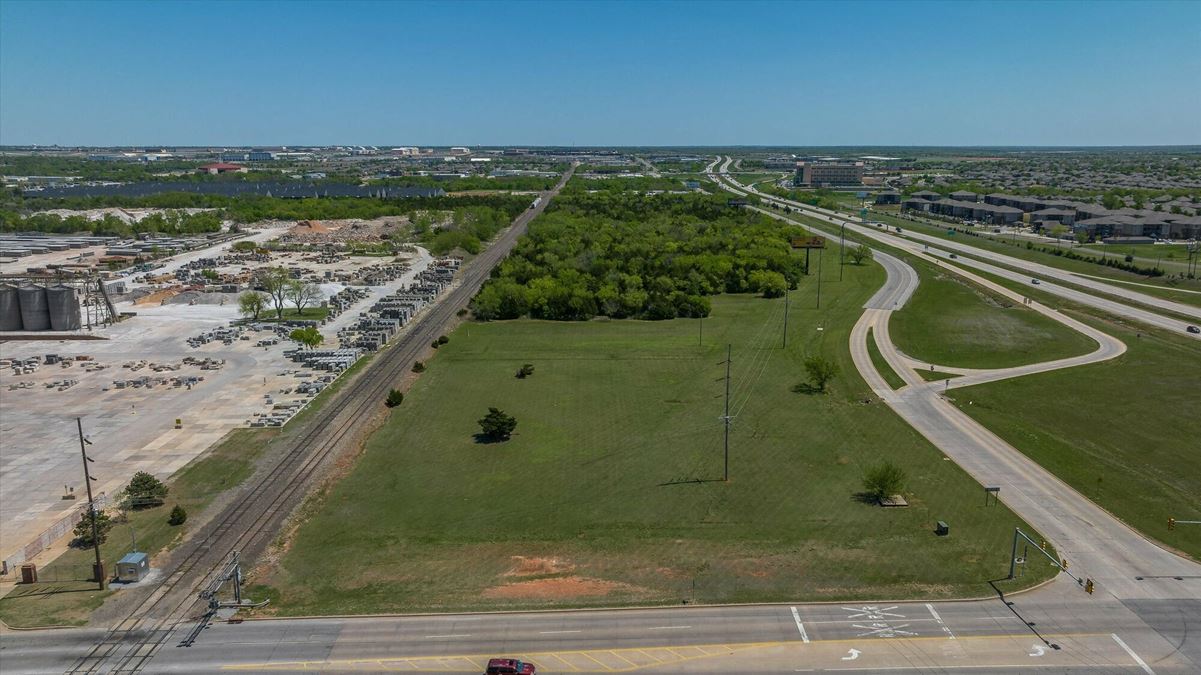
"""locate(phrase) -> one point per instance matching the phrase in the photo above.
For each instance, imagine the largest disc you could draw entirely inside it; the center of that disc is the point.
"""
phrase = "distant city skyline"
(598, 74)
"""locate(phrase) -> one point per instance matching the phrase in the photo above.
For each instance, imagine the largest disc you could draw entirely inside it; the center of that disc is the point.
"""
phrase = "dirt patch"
(529, 567)
(559, 588)
(158, 297)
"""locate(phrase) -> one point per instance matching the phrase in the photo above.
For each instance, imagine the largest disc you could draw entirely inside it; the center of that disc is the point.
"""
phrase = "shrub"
(525, 371)
(394, 399)
(418, 367)
(883, 480)
(144, 491)
(496, 425)
(178, 516)
(443, 340)
(83, 529)
(821, 370)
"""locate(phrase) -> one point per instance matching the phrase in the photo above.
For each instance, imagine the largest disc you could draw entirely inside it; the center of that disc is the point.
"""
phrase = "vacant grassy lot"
(953, 323)
(606, 494)
(1124, 432)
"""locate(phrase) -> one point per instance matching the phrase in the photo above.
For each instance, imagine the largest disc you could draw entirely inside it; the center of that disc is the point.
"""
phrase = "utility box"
(133, 567)
(29, 573)
(942, 529)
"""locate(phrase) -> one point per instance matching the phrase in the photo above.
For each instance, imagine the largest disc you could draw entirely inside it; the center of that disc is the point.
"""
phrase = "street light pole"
(87, 481)
(842, 246)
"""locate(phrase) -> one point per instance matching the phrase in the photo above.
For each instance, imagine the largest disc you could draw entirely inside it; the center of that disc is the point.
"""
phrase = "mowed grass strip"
(951, 322)
(873, 350)
(607, 493)
(1123, 432)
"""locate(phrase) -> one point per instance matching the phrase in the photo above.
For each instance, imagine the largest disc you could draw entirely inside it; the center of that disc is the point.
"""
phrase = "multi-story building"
(821, 174)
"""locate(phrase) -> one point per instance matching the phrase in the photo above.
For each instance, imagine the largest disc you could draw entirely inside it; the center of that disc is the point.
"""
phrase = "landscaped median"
(1123, 432)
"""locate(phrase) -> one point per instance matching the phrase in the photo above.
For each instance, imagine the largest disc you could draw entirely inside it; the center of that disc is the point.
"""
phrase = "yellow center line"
(720, 649)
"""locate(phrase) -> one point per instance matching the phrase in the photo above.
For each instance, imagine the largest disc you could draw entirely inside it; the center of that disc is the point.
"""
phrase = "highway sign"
(808, 242)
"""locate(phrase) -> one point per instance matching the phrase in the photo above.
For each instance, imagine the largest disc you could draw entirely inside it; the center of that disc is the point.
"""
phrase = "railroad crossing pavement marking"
(796, 616)
(1087, 650)
(873, 612)
(945, 628)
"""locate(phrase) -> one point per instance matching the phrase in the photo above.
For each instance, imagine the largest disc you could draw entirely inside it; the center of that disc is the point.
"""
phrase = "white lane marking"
(556, 632)
(800, 626)
(1141, 663)
(946, 629)
(669, 628)
(431, 637)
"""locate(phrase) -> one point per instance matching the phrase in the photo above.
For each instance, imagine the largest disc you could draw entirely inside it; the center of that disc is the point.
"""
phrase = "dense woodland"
(640, 256)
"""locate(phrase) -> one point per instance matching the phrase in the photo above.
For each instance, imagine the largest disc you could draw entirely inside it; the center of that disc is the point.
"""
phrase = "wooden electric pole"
(98, 568)
(726, 417)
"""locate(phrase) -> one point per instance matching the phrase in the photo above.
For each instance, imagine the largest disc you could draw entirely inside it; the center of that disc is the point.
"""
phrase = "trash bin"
(29, 573)
(942, 529)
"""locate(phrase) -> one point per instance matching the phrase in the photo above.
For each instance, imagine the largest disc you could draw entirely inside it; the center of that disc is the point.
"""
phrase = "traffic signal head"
(1088, 586)
(1171, 523)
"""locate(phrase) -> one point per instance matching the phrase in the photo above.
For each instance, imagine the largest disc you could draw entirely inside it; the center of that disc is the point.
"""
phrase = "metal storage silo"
(10, 308)
(35, 312)
(63, 305)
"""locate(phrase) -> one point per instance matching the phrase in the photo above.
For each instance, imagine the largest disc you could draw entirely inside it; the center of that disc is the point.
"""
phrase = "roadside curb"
(646, 608)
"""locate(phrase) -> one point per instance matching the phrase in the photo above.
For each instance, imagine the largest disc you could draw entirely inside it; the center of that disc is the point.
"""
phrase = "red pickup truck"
(509, 667)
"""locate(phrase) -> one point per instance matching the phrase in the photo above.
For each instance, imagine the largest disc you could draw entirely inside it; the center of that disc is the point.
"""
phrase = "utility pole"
(700, 331)
(726, 417)
(87, 480)
(842, 246)
(785, 319)
(819, 277)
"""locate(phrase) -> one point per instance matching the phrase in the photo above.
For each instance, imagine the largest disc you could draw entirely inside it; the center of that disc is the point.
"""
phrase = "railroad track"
(248, 524)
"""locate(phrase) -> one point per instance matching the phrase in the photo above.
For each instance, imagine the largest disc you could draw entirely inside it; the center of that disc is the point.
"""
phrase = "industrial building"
(825, 174)
(221, 167)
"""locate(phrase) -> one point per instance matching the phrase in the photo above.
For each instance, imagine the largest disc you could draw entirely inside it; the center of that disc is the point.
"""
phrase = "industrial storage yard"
(182, 367)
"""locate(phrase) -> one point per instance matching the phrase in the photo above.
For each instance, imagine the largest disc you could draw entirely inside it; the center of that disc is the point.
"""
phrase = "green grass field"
(953, 323)
(1136, 456)
(607, 492)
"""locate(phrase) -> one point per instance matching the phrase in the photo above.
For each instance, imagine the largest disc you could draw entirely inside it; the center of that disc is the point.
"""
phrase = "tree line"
(165, 222)
(639, 256)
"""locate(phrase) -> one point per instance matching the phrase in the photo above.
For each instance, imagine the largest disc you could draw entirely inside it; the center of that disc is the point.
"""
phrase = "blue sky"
(577, 73)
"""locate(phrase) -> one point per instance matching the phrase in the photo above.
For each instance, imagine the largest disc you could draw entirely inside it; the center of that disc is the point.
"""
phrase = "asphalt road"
(1057, 629)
